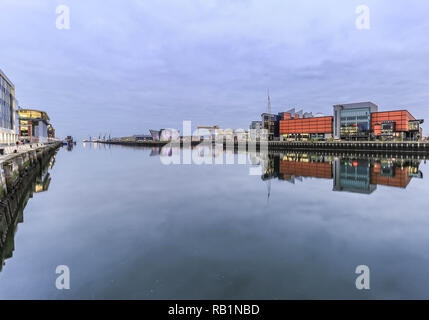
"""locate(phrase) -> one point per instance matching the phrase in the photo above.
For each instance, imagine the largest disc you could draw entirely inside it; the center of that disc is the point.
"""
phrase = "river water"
(281, 226)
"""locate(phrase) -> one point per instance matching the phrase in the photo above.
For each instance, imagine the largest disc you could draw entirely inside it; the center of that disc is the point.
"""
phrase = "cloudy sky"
(128, 66)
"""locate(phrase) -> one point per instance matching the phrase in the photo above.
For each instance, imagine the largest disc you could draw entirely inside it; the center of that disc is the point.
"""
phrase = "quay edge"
(417, 147)
(14, 201)
(15, 160)
(357, 146)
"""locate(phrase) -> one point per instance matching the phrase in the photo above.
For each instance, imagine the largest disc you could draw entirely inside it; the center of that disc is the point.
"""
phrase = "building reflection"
(44, 179)
(351, 173)
(357, 173)
(12, 208)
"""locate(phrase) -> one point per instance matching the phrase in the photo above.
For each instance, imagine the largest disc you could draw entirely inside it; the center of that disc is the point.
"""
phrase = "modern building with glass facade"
(33, 125)
(398, 124)
(270, 124)
(353, 175)
(7, 111)
(353, 121)
(51, 131)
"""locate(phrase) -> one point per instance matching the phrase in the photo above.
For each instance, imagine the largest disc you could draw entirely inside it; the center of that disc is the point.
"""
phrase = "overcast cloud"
(128, 66)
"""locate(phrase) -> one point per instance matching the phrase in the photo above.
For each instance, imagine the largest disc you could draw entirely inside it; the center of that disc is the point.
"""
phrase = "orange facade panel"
(400, 179)
(401, 119)
(306, 169)
(377, 129)
(287, 115)
(306, 125)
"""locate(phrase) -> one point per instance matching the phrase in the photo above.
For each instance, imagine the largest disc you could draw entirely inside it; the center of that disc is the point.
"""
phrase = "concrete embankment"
(147, 143)
(417, 147)
(19, 169)
(17, 160)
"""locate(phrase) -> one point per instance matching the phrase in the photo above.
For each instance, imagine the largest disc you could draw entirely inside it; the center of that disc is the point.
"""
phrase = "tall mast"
(269, 113)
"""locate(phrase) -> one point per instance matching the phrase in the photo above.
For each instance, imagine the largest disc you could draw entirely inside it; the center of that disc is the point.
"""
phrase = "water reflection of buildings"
(12, 209)
(349, 173)
(362, 175)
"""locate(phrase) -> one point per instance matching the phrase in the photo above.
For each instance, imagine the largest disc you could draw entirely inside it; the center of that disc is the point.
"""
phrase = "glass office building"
(353, 121)
(7, 111)
(33, 125)
(270, 123)
(353, 175)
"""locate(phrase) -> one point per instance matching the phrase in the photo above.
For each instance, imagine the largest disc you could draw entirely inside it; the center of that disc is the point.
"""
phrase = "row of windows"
(353, 123)
(386, 118)
(6, 105)
(393, 113)
(320, 129)
(305, 131)
(307, 125)
(310, 120)
(306, 169)
(311, 125)
(4, 86)
(308, 128)
(365, 117)
(5, 101)
(355, 112)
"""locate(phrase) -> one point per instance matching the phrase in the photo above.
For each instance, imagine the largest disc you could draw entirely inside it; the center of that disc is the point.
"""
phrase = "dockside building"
(34, 126)
(7, 111)
(353, 121)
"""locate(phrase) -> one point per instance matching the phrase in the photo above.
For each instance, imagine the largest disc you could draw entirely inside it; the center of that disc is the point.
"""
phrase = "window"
(413, 125)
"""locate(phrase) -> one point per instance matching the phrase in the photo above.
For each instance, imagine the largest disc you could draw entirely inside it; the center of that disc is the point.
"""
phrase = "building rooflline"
(3, 75)
(41, 111)
(350, 103)
(392, 111)
(36, 119)
(307, 118)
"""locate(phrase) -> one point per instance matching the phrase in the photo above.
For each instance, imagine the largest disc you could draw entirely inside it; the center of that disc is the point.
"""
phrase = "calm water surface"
(295, 227)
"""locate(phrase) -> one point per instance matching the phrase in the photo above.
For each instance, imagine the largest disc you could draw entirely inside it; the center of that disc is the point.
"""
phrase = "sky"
(124, 67)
